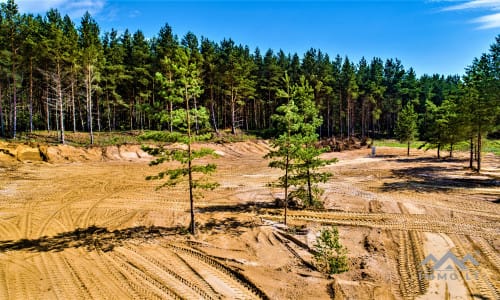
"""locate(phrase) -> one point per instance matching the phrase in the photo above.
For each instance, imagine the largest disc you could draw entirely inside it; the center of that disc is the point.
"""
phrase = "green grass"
(396, 143)
(489, 146)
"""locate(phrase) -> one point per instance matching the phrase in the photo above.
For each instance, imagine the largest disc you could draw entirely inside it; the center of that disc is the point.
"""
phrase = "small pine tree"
(306, 174)
(287, 120)
(295, 148)
(187, 85)
(406, 125)
(330, 255)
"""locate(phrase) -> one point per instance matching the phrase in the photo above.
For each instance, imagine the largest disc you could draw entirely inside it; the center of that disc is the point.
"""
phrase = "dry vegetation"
(86, 224)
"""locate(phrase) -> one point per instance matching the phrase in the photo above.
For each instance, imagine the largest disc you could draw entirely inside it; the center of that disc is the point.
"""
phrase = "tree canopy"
(57, 74)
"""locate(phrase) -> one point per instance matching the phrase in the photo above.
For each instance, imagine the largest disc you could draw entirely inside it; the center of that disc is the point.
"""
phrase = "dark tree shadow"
(241, 207)
(91, 238)
(428, 179)
(228, 225)
(384, 156)
(430, 159)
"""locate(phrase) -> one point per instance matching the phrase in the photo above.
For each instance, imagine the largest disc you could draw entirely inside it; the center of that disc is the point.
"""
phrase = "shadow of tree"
(92, 238)
(430, 159)
(229, 225)
(428, 178)
(241, 207)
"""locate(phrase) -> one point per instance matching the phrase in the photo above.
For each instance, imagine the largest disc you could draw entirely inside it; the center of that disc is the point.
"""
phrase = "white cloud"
(74, 8)
(476, 4)
(490, 19)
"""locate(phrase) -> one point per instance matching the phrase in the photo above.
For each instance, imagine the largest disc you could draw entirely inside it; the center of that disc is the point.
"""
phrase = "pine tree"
(306, 174)
(91, 48)
(11, 29)
(482, 82)
(188, 86)
(406, 125)
(330, 255)
(287, 121)
(295, 148)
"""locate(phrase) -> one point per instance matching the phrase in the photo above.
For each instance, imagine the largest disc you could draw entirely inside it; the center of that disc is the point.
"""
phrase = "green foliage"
(295, 149)
(161, 136)
(176, 176)
(55, 75)
(406, 125)
(329, 254)
(185, 82)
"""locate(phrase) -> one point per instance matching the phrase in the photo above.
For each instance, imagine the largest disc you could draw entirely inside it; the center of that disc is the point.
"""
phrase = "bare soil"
(80, 223)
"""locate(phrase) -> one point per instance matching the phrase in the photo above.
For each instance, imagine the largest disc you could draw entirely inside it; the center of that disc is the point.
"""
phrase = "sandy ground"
(86, 224)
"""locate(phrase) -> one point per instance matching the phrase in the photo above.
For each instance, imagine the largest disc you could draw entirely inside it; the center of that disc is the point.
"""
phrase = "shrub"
(330, 255)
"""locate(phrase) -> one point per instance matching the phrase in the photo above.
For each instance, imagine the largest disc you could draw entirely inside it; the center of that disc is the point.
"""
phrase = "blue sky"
(431, 36)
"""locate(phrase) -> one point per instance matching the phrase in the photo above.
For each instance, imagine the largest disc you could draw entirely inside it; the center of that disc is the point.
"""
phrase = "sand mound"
(10, 152)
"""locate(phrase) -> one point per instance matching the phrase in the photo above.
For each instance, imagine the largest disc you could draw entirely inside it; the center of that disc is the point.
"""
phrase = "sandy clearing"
(93, 226)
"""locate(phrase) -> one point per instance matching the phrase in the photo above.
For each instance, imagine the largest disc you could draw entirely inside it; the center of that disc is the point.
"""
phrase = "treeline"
(56, 75)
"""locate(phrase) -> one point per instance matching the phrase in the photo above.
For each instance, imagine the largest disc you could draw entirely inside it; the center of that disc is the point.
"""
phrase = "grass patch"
(396, 144)
(489, 145)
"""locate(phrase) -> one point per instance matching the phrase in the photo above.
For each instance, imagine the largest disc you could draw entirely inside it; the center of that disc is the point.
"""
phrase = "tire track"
(185, 288)
(111, 269)
(196, 277)
(407, 266)
(52, 277)
(421, 223)
(488, 252)
(119, 220)
(241, 286)
(135, 275)
(480, 281)
(10, 230)
(4, 287)
(60, 270)
(86, 290)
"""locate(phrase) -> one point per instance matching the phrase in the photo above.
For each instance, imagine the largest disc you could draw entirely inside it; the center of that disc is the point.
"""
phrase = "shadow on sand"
(431, 179)
(91, 238)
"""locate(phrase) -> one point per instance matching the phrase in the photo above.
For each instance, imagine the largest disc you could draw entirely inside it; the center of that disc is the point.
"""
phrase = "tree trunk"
(89, 103)
(60, 102)
(171, 110)
(1, 114)
(471, 158)
(340, 116)
(328, 119)
(98, 114)
(233, 113)
(73, 99)
(287, 165)
(196, 116)
(451, 150)
(348, 119)
(309, 186)
(31, 95)
(408, 150)
(479, 141)
(439, 150)
(14, 97)
(48, 108)
(190, 168)
(212, 101)
(108, 111)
